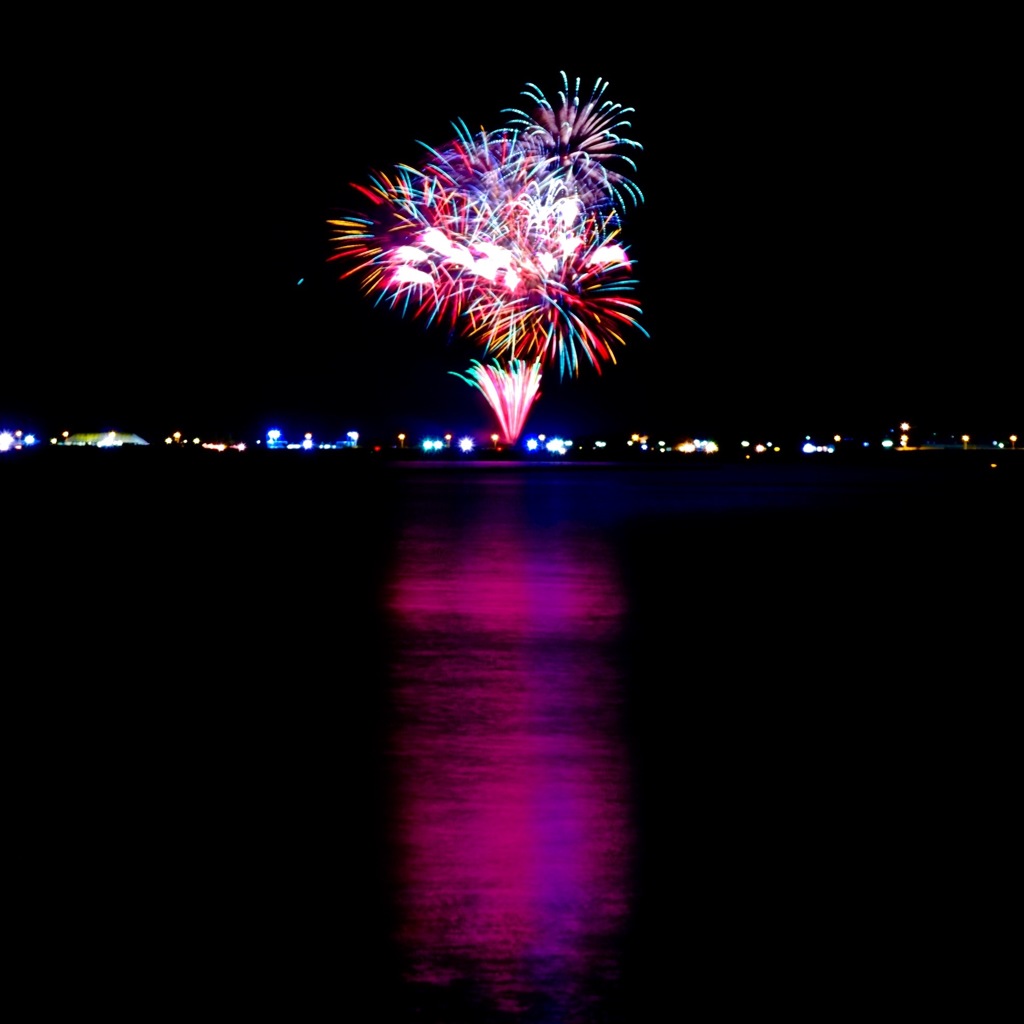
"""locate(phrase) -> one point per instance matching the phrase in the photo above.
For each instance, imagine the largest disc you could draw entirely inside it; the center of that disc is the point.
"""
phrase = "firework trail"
(511, 239)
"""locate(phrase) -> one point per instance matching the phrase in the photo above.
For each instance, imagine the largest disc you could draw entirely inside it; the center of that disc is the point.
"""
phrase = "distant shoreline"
(165, 456)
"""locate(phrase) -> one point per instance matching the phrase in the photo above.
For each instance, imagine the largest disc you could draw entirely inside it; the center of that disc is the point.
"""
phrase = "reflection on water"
(255, 802)
(511, 824)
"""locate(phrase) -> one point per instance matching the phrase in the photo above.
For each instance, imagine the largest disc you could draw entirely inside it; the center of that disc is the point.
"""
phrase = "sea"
(408, 741)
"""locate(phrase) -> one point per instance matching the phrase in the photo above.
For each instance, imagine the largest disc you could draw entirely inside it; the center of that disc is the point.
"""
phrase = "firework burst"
(511, 239)
(577, 140)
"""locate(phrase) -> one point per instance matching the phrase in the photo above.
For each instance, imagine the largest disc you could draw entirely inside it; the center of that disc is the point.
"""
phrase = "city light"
(635, 445)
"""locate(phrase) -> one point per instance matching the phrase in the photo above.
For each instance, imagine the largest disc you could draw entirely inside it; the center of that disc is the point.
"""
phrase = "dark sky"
(831, 209)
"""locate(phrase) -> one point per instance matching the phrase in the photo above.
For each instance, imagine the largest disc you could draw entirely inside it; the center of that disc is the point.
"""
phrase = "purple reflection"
(511, 821)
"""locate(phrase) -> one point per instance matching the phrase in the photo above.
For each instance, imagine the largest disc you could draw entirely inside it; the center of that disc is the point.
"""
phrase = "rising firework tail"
(512, 239)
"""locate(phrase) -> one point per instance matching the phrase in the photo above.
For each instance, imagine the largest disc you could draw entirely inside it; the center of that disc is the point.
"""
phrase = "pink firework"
(510, 392)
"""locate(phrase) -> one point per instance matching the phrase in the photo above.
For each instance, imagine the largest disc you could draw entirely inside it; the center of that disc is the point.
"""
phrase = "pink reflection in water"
(511, 821)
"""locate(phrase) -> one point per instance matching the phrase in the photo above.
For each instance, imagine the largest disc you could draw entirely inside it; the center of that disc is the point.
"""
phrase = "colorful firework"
(511, 239)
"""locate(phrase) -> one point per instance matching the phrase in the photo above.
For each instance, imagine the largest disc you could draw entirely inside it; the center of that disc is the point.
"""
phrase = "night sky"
(825, 242)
